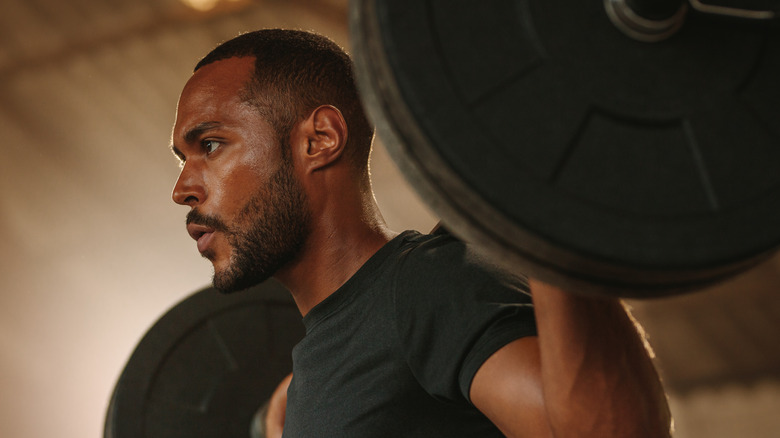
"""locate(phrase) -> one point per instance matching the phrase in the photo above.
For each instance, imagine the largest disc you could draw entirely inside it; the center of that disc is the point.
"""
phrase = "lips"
(202, 234)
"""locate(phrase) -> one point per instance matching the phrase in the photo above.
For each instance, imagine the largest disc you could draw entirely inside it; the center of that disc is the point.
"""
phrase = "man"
(408, 335)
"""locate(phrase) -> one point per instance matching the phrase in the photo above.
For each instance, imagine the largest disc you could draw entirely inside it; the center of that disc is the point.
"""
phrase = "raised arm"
(587, 374)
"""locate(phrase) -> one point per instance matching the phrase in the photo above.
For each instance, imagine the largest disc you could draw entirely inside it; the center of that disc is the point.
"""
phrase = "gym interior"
(94, 251)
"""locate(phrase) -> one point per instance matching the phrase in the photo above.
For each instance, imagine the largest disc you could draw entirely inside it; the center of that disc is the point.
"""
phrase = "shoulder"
(451, 302)
(444, 259)
(436, 268)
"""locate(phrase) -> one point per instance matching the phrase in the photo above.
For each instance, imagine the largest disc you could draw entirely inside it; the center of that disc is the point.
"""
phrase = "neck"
(343, 237)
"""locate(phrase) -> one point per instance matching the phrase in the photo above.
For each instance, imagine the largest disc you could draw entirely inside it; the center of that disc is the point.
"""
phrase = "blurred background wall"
(93, 251)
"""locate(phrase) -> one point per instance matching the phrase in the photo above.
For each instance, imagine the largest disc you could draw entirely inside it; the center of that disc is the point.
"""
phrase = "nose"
(189, 188)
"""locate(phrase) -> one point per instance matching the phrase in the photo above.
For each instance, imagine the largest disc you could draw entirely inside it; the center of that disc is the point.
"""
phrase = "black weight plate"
(207, 366)
(539, 130)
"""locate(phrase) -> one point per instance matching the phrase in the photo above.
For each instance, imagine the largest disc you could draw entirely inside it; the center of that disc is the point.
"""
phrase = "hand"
(269, 420)
(277, 409)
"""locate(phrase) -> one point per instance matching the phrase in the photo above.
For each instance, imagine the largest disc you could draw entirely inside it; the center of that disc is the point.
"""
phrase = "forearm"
(597, 376)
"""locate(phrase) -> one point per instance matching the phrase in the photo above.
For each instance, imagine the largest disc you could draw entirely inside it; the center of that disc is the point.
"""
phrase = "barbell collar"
(734, 12)
(655, 9)
(644, 23)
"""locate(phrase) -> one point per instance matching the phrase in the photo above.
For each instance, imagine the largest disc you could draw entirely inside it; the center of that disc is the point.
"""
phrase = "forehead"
(214, 90)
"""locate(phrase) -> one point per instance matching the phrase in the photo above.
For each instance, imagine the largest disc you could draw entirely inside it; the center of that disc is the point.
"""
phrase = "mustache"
(198, 218)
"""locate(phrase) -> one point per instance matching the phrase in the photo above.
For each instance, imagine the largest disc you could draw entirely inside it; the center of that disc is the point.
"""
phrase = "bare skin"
(347, 226)
(277, 410)
(587, 373)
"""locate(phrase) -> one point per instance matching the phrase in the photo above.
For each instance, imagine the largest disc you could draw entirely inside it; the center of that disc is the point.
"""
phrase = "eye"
(210, 146)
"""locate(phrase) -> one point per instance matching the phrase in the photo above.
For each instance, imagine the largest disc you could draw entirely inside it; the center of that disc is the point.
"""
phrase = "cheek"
(237, 175)
(233, 189)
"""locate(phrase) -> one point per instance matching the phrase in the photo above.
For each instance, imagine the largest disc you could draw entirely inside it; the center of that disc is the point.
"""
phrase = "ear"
(325, 133)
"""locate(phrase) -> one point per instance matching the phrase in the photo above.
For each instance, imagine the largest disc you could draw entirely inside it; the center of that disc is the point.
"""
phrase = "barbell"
(206, 366)
(618, 147)
(623, 147)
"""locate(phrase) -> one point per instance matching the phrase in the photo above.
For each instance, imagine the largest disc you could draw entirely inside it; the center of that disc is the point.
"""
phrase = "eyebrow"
(191, 135)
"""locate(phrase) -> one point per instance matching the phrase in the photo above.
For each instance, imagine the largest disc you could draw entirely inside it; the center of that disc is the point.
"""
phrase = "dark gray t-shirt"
(393, 351)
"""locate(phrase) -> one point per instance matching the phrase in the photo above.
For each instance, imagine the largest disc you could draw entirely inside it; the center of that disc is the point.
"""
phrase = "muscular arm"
(587, 374)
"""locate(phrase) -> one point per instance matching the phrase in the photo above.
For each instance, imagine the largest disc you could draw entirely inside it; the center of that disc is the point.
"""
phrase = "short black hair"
(295, 72)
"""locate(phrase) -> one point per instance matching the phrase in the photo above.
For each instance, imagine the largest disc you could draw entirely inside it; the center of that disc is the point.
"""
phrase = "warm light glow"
(201, 5)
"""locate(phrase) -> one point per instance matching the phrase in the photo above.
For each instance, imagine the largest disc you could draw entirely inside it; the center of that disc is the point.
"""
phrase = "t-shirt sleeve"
(453, 311)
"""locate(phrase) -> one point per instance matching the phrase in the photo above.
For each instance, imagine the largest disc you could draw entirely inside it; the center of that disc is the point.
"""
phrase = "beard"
(269, 232)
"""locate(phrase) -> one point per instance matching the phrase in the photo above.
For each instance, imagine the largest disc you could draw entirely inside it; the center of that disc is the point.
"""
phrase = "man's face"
(249, 213)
